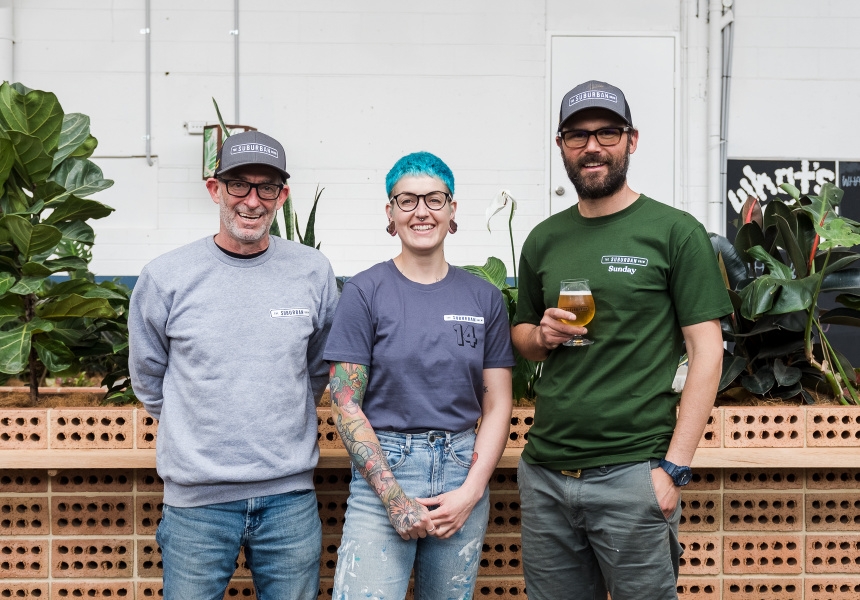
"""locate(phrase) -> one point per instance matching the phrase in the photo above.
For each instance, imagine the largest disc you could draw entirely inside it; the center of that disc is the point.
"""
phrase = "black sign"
(849, 181)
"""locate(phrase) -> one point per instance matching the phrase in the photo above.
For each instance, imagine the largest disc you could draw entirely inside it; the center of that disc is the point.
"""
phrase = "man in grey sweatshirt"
(227, 336)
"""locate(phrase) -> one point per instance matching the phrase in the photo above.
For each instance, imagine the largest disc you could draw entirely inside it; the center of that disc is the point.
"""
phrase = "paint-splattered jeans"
(374, 562)
(603, 529)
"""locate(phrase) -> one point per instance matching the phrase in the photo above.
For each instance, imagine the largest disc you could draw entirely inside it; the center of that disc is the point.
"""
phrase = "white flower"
(499, 202)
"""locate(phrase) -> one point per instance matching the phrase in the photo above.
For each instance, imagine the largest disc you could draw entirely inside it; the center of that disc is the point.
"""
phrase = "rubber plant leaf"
(841, 316)
(732, 367)
(786, 376)
(748, 236)
(791, 246)
(735, 267)
(849, 300)
(774, 267)
(761, 382)
(846, 280)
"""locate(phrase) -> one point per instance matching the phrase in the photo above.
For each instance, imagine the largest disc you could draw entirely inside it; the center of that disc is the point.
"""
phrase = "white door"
(644, 69)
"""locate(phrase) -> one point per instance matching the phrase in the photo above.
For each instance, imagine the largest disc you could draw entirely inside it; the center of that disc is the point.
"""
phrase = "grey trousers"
(602, 531)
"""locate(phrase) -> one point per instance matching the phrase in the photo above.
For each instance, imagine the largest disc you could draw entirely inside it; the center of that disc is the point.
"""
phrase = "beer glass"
(575, 296)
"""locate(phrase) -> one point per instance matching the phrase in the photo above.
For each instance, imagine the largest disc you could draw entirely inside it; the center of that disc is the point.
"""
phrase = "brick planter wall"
(748, 533)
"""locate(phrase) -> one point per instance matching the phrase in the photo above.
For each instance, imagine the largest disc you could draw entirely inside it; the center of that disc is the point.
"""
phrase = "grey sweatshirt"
(227, 354)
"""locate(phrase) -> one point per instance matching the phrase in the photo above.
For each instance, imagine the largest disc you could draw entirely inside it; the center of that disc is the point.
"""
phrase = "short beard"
(241, 234)
(594, 190)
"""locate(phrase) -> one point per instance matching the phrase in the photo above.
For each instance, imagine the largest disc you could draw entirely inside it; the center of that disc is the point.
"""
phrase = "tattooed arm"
(454, 507)
(348, 384)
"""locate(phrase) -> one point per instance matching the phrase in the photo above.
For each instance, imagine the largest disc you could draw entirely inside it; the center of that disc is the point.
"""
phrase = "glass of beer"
(575, 296)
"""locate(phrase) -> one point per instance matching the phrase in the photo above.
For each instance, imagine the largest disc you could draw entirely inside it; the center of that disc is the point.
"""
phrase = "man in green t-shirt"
(601, 474)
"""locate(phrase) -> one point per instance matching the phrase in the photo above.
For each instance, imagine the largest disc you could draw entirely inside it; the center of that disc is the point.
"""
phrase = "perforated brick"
(753, 427)
(835, 588)
(833, 512)
(240, 588)
(149, 559)
(62, 590)
(504, 480)
(500, 588)
(101, 480)
(831, 553)
(763, 479)
(501, 555)
(702, 554)
(328, 558)
(147, 514)
(521, 422)
(833, 426)
(147, 429)
(823, 478)
(20, 558)
(97, 515)
(700, 511)
(712, 436)
(148, 481)
(332, 480)
(504, 513)
(705, 479)
(698, 588)
(763, 554)
(763, 512)
(243, 571)
(326, 588)
(23, 429)
(327, 434)
(762, 589)
(149, 590)
(332, 510)
(97, 558)
(24, 590)
(23, 481)
(91, 428)
(21, 515)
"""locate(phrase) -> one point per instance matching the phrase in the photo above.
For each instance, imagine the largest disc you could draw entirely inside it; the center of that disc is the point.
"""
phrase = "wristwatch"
(680, 475)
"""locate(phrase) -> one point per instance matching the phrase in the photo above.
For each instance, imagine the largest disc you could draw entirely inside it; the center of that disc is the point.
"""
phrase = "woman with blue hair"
(420, 350)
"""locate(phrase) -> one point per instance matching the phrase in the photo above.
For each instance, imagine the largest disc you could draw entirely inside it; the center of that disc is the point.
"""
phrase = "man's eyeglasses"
(434, 200)
(240, 189)
(578, 138)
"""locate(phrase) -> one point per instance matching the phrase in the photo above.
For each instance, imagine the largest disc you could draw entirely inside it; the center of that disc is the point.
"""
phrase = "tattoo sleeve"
(348, 384)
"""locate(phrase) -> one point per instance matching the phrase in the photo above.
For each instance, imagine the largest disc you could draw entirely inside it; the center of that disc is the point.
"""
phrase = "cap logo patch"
(592, 95)
(262, 148)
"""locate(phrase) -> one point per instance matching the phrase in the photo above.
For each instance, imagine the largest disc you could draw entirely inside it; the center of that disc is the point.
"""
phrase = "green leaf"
(758, 297)
(736, 268)
(72, 286)
(15, 345)
(7, 280)
(74, 208)
(53, 354)
(7, 157)
(837, 232)
(77, 231)
(795, 295)
(791, 246)
(66, 263)
(791, 191)
(30, 239)
(841, 316)
(846, 280)
(732, 367)
(80, 177)
(310, 236)
(785, 376)
(27, 285)
(807, 397)
(86, 149)
(35, 269)
(774, 267)
(761, 382)
(849, 300)
(32, 160)
(74, 306)
(72, 332)
(493, 271)
(35, 113)
(748, 236)
(74, 132)
(830, 194)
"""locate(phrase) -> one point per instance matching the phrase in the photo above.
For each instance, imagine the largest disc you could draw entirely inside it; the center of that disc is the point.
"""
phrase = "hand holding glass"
(575, 296)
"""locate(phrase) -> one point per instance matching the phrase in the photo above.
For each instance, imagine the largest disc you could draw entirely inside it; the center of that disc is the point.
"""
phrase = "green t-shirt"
(652, 270)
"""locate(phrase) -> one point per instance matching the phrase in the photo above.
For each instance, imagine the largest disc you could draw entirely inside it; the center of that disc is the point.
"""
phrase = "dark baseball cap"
(594, 94)
(251, 148)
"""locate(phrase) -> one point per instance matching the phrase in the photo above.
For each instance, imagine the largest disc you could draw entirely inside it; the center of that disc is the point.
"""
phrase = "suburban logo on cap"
(577, 98)
(242, 148)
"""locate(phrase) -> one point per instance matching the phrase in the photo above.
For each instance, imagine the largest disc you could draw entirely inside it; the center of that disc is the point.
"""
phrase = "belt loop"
(447, 439)
(408, 445)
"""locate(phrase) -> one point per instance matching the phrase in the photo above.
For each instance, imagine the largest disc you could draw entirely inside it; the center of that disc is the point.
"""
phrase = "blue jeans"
(281, 534)
(375, 562)
(602, 530)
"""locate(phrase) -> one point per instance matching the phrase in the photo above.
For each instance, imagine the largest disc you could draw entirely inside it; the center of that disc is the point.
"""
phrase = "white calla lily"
(499, 203)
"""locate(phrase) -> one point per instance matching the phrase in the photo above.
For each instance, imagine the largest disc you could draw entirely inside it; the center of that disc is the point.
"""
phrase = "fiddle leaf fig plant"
(780, 263)
(45, 180)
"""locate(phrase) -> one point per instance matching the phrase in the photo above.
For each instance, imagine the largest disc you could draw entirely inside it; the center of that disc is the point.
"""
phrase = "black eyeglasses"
(605, 136)
(408, 202)
(240, 189)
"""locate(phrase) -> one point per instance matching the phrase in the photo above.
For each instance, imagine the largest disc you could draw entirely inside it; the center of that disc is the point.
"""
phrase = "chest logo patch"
(465, 319)
(623, 264)
(286, 313)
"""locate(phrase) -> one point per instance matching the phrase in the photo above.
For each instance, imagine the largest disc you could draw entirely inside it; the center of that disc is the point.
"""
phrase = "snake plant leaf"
(732, 367)
(493, 271)
(774, 267)
(33, 162)
(790, 190)
(74, 306)
(735, 266)
(795, 294)
(74, 208)
(849, 300)
(77, 231)
(761, 382)
(748, 236)
(80, 177)
(34, 113)
(15, 345)
(786, 376)
(74, 132)
(30, 239)
(841, 316)
(846, 280)
(54, 354)
(789, 243)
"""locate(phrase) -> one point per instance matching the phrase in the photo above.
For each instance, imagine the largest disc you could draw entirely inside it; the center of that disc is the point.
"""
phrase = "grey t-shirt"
(426, 346)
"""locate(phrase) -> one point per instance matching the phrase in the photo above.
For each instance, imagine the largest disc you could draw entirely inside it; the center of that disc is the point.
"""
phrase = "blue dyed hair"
(419, 163)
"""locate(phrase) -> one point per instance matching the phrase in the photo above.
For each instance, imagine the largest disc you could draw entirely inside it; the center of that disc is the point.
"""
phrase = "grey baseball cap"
(251, 148)
(594, 94)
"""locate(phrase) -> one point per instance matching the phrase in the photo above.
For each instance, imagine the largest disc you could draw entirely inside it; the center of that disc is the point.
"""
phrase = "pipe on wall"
(235, 34)
(7, 64)
(716, 23)
(148, 70)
